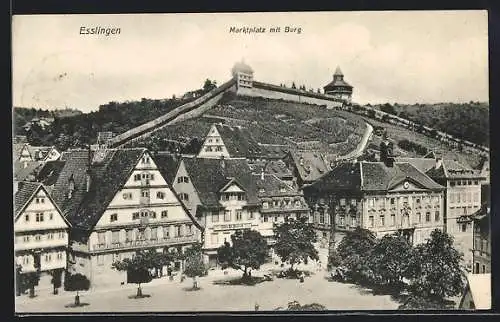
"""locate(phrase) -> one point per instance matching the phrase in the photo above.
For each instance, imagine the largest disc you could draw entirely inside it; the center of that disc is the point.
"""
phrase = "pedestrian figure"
(256, 306)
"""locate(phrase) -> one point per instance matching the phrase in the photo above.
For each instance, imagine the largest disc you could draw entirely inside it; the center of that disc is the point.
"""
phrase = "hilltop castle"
(337, 93)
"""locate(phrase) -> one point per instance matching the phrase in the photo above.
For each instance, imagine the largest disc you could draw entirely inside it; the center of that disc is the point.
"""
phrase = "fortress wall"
(272, 94)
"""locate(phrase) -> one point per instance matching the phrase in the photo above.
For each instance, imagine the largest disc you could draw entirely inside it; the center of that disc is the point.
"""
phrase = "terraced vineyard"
(276, 122)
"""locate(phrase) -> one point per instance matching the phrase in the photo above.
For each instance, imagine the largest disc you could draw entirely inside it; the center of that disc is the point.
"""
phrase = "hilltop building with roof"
(24, 152)
(338, 87)
(40, 232)
(243, 74)
(385, 197)
(118, 202)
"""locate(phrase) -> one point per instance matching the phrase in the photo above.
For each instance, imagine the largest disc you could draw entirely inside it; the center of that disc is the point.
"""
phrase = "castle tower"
(243, 74)
(338, 87)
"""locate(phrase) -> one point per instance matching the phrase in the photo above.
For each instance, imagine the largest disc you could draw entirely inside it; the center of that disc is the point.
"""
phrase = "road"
(361, 146)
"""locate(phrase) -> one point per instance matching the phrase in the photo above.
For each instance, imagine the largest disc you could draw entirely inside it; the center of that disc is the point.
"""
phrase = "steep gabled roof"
(272, 186)
(22, 173)
(451, 169)
(209, 176)
(26, 191)
(310, 165)
(107, 178)
(238, 141)
(74, 168)
(167, 164)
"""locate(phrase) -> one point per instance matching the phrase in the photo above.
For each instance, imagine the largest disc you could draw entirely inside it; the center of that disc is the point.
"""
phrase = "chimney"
(71, 186)
(88, 180)
(222, 162)
(439, 162)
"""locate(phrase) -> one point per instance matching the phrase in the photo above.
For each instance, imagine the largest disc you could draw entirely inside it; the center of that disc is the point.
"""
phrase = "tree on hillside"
(293, 85)
(209, 85)
(194, 266)
(137, 269)
(389, 260)
(76, 283)
(248, 249)
(388, 108)
(295, 240)
(435, 269)
(355, 250)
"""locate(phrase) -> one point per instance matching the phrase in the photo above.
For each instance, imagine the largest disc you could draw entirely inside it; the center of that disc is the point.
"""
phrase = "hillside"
(469, 121)
(271, 122)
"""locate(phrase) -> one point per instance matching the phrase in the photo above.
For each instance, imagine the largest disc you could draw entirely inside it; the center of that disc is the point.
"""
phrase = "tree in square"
(295, 240)
(138, 269)
(248, 249)
(76, 283)
(194, 266)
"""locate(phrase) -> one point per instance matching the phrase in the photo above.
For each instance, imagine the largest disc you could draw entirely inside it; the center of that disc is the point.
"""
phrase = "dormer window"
(282, 189)
(145, 159)
(265, 205)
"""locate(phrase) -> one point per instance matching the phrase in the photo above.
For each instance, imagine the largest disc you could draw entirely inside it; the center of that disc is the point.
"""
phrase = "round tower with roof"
(339, 88)
(243, 74)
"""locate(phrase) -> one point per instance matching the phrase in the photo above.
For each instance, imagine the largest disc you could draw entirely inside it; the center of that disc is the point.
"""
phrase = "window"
(218, 148)
(184, 197)
(452, 198)
(417, 201)
(265, 205)
(145, 193)
(115, 237)
(50, 236)
(322, 217)
(342, 201)
(265, 218)
(186, 179)
(464, 227)
(419, 217)
(239, 214)
(476, 182)
(152, 214)
(251, 215)
(354, 222)
(276, 203)
(370, 221)
(458, 197)
(160, 195)
(38, 237)
(140, 234)
(62, 235)
(227, 215)
(476, 268)
(436, 216)
(164, 214)
(59, 256)
(48, 257)
(382, 220)
(215, 238)
(208, 149)
(353, 202)
(127, 195)
(128, 235)
(178, 231)
(166, 232)
(427, 216)
(342, 221)
(100, 259)
(39, 217)
(137, 177)
(145, 159)
(484, 269)
(215, 216)
(26, 238)
(393, 219)
(241, 196)
(189, 229)
(393, 201)
(26, 260)
(154, 233)
(459, 182)
(113, 217)
(27, 217)
(51, 216)
(135, 216)
(101, 237)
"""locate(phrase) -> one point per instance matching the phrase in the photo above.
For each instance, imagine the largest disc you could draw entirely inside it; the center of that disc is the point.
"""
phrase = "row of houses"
(101, 204)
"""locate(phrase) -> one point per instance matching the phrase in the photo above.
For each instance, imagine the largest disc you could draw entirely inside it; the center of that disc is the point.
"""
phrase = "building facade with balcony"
(118, 203)
(384, 197)
(40, 232)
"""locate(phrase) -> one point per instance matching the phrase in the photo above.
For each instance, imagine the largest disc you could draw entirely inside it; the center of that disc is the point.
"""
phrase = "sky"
(396, 57)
